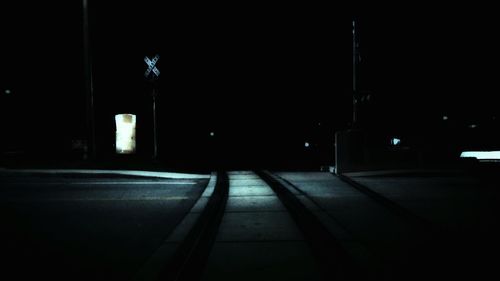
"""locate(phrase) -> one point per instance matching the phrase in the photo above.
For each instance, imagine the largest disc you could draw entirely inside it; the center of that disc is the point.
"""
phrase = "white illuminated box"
(483, 156)
(125, 133)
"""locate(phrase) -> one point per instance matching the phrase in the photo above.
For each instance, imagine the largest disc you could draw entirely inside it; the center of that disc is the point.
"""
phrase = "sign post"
(89, 91)
(354, 75)
(152, 74)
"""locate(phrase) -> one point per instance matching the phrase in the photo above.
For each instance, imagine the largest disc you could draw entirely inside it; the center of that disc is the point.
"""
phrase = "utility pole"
(89, 91)
(354, 73)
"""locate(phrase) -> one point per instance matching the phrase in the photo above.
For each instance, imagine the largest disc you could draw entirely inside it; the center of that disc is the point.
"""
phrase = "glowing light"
(125, 133)
(212, 134)
(306, 144)
(7, 92)
(445, 118)
(395, 141)
(481, 155)
(473, 126)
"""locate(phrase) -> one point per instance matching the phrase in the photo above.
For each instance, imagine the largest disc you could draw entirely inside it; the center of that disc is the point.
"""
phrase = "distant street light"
(395, 141)
(7, 92)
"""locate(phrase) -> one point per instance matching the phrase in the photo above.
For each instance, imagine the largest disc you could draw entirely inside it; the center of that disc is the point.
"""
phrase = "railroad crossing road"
(81, 227)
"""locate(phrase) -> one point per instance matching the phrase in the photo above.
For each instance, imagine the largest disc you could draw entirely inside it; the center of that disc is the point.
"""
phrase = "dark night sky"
(272, 65)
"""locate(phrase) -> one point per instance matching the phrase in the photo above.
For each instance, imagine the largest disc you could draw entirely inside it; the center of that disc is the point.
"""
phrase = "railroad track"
(337, 255)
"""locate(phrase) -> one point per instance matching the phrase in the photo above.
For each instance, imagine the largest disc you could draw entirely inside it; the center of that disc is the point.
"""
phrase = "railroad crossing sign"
(152, 67)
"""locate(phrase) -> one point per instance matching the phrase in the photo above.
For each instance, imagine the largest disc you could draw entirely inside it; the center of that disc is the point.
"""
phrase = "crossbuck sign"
(152, 67)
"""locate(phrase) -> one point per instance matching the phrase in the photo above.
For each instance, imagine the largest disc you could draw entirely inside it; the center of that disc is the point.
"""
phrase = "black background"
(264, 77)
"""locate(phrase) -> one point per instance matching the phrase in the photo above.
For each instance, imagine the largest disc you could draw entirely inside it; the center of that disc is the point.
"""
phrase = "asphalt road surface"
(68, 227)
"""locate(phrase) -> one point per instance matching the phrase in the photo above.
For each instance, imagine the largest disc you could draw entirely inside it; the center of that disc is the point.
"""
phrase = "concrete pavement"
(257, 239)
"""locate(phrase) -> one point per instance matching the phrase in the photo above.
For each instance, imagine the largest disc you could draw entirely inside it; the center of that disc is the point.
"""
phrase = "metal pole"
(354, 88)
(155, 141)
(354, 56)
(88, 81)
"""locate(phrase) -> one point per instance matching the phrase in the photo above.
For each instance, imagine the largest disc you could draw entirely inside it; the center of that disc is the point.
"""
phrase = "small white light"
(306, 144)
(212, 134)
(445, 118)
(7, 92)
(472, 126)
(395, 141)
